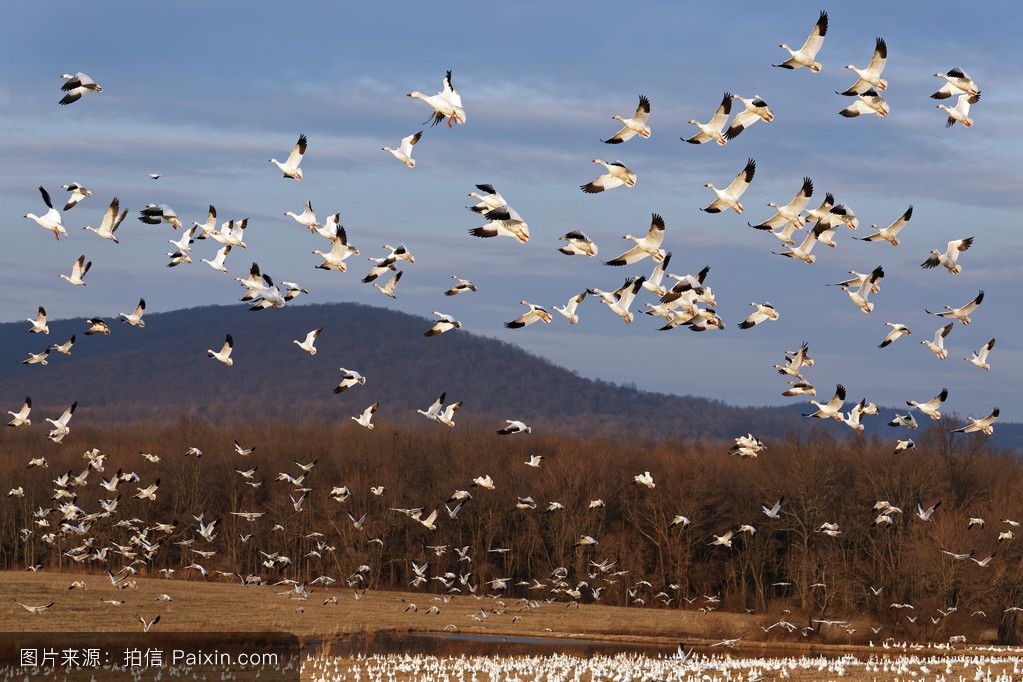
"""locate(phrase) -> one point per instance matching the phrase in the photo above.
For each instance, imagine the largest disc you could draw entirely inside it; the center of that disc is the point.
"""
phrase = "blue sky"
(205, 93)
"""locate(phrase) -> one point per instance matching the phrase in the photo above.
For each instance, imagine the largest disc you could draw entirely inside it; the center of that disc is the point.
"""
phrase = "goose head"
(710, 185)
(693, 122)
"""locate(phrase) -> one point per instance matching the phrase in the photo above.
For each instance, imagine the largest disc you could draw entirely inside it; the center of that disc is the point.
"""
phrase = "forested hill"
(162, 372)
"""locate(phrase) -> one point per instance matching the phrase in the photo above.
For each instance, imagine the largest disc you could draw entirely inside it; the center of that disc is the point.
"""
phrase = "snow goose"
(149, 492)
(78, 193)
(889, 234)
(787, 218)
(135, 317)
(713, 129)
(60, 424)
(702, 321)
(653, 282)
(218, 262)
(534, 314)
(308, 218)
(855, 415)
(949, 258)
(870, 77)
(177, 258)
(586, 541)
(154, 214)
(39, 325)
(404, 151)
(722, 540)
(833, 408)
(799, 388)
(97, 326)
(399, 252)
(903, 445)
(637, 125)
(349, 378)
(650, 245)
(618, 174)
(21, 418)
(568, 311)
(535, 461)
(763, 313)
(76, 85)
(339, 252)
(907, 420)
(806, 56)
(514, 426)
(447, 415)
(577, 244)
(937, 346)
(365, 419)
(957, 82)
(111, 220)
(290, 168)
(932, 408)
(153, 176)
(773, 511)
(445, 104)
(985, 425)
(50, 220)
(309, 343)
(644, 479)
(868, 103)
(184, 244)
(509, 224)
(78, 270)
(979, 357)
(621, 299)
(490, 200)
(756, 109)
(747, 446)
(802, 252)
(444, 323)
(729, 196)
(37, 358)
(293, 290)
(232, 233)
(858, 295)
(961, 313)
(388, 289)
(35, 610)
(462, 286)
(224, 354)
(897, 331)
(207, 229)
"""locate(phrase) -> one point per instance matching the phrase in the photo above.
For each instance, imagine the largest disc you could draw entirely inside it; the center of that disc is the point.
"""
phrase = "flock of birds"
(681, 300)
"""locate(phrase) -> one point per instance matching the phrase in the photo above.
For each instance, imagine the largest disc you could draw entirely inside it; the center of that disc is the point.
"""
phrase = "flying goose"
(444, 323)
(78, 193)
(445, 104)
(802, 252)
(60, 425)
(979, 357)
(177, 258)
(148, 625)
(462, 286)
(76, 85)
(490, 200)
(650, 245)
(898, 330)
(50, 220)
(184, 244)
(799, 388)
(339, 252)
(309, 344)
(937, 346)
(206, 229)
(154, 214)
(514, 426)
(867, 103)
(925, 514)
(534, 461)
(577, 244)
(78, 270)
(404, 151)
(963, 312)
(715, 127)
(621, 299)
(903, 445)
(534, 314)
(97, 326)
(149, 492)
(568, 310)
(442, 415)
(388, 289)
(729, 196)
(723, 540)
(984, 425)
(747, 446)
(20, 418)
(890, 233)
(110, 222)
(308, 218)
(637, 125)
(907, 420)
(957, 82)
(763, 313)
(774, 511)
(224, 355)
(644, 479)
(853, 419)
(349, 378)
(870, 77)
(756, 109)
(788, 217)
(135, 318)
(618, 174)
(39, 325)
(218, 261)
(932, 408)
(949, 258)
(806, 56)
(290, 168)
(293, 290)
(833, 408)
(504, 222)
(653, 283)
(35, 610)
(859, 294)
(365, 419)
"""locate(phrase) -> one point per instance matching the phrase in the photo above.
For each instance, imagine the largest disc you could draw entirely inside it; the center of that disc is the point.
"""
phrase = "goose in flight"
(889, 234)
(799, 388)
(723, 540)
(445, 104)
(349, 378)
(37, 358)
(644, 479)
(949, 258)
(218, 262)
(514, 426)
(308, 218)
(60, 425)
(534, 314)
(903, 445)
(577, 244)
(444, 323)
(937, 346)
(154, 214)
(293, 290)
(134, 319)
(78, 270)
(76, 85)
(535, 461)
(21, 417)
(802, 252)
(957, 82)
(388, 289)
(787, 219)
(985, 425)
(504, 222)
(568, 310)
(184, 244)
(461, 286)
(859, 295)
(621, 299)
(907, 420)
(868, 103)
(404, 151)
(111, 220)
(78, 193)
(149, 492)
(365, 419)
(714, 129)
(339, 252)
(442, 415)
(148, 625)
(763, 313)
(650, 245)
(870, 77)
(224, 354)
(806, 56)
(898, 330)
(618, 174)
(833, 408)
(97, 326)
(39, 325)
(963, 312)
(177, 258)
(309, 343)
(979, 357)
(729, 196)
(925, 514)
(932, 408)
(747, 446)
(35, 610)
(637, 125)
(490, 200)
(774, 511)
(50, 220)
(653, 283)
(756, 109)
(290, 168)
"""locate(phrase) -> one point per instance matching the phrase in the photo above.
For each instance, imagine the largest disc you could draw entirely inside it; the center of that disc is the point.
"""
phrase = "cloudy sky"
(205, 93)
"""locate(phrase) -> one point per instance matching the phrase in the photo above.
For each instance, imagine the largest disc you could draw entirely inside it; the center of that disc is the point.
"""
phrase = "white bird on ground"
(76, 85)
(50, 220)
(833, 408)
(806, 56)
(568, 310)
(218, 261)
(365, 419)
(78, 270)
(21, 417)
(729, 196)
(514, 426)
(898, 331)
(932, 408)
(756, 109)
(349, 378)
(957, 82)
(870, 77)
(636, 125)
(308, 217)
(868, 103)
(154, 214)
(713, 129)
(39, 325)
(650, 245)
(979, 357)
(309, 343)
(962, 313)
(618, 174)
(985, 425)
(620, 300)
(462, 286)
(445, 104)
(110, 222)
(339, 252)
(949, 258)
(404, 151)
(787, 219)
(78, 193)
(290, 168)
(134, 318)
(889, 234)
(443, 324)
(534, 314)
(763, 313)
(937, 346)
(224, 354)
